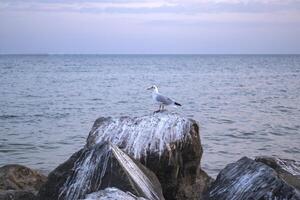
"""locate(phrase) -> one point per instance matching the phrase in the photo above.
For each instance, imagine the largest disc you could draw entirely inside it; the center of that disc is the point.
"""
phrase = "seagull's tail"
(177, 104)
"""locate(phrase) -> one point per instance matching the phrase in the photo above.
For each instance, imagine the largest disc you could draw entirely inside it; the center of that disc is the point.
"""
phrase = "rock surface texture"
(247, 179)
(18, 177)
(17, 195)
(96, 168)
(19, 182)
(166, 143)
(112, 193)
(288, 170)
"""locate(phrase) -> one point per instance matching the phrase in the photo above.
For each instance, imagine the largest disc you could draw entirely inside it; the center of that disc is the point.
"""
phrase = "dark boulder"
(97, 167)
(166, 143)
(247, 179)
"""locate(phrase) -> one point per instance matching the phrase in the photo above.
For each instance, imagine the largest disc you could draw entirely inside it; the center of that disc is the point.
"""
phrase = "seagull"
(161, 99)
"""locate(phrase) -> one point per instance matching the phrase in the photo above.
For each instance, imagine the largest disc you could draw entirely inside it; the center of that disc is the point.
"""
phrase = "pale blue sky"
(144, 26)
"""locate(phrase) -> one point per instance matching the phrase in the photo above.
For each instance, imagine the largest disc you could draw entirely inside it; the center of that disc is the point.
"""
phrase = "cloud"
(82, 5)
(146, 26)
(156, 6)
(188, 12)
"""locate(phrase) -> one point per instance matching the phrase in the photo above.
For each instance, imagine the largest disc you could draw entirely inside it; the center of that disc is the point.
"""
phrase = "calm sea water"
(246, 105)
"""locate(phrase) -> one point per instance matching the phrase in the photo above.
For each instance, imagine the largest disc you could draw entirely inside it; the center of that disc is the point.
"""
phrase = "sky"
(150, 27)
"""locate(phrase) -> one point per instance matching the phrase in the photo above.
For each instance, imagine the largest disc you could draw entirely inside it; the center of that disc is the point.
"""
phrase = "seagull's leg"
(162, 107)
(158, 109)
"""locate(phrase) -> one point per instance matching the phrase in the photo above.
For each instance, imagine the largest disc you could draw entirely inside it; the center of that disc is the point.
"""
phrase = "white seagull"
(161, 99)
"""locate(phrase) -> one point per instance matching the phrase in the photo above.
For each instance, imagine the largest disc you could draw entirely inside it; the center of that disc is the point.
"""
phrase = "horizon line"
(125, 54)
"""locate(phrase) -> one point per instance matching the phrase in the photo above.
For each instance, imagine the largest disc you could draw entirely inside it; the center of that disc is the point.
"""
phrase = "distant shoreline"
(149, 54)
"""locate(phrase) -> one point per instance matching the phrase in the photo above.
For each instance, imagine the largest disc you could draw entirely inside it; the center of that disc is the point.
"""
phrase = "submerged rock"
(112, 194)
(166, 143)
(96, 168)
(247, 179)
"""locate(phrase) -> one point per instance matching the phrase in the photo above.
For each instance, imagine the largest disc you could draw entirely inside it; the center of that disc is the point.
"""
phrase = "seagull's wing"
(163, 99)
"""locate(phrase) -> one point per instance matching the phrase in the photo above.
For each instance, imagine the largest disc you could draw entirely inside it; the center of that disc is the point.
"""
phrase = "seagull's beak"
(149, 88)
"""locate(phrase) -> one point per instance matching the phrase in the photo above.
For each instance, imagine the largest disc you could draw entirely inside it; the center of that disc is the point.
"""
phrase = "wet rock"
(112, 193)
(247, 179)
(166, 143)
(288, 170)
(17, 195)
(97, 167)
(18, 177)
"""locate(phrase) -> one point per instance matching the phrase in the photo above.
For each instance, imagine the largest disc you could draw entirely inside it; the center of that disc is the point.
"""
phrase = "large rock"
(247, 179)
(97, 167)
(168, 144)
(112, 194)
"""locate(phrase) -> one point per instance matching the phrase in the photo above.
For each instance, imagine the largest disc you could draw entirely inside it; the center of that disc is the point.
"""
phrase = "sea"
(246, 105)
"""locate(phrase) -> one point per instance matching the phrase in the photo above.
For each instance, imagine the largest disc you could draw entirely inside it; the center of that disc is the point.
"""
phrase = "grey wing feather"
(163, 99)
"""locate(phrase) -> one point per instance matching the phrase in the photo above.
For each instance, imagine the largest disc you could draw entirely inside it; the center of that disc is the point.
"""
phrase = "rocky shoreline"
(153, 157)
